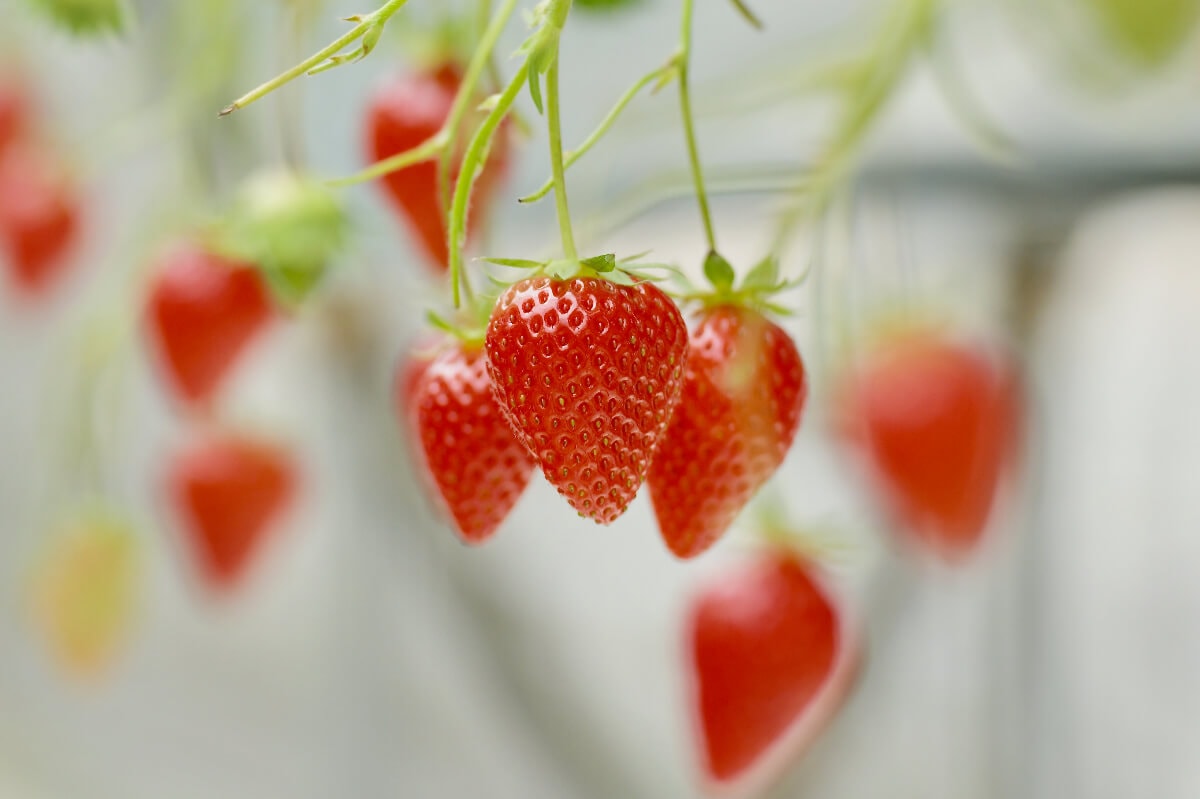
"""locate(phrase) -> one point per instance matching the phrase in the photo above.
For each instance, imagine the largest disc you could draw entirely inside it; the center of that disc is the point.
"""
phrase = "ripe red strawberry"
(770, 661)
(228, 492)
(588, 373)
(937, 421)
(39, 218)
(202, 312)
(476, 464)
(743, 393)
(405, 113)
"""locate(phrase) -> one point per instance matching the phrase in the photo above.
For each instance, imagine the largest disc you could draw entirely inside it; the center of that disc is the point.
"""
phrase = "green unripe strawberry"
(86, 17)
(291, 227)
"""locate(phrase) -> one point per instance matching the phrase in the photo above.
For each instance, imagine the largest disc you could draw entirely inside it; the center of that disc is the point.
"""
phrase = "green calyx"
(755, 291)
(291, 227)
(470, 323)
(86, 17)
(623, 271)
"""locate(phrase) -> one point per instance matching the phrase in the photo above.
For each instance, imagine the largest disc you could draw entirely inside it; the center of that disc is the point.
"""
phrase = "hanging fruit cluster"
(588, 367)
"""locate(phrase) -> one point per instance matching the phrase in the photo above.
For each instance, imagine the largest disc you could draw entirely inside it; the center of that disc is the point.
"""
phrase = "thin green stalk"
(467, 93)
(901, 39)
(425, 151)
(574, 155)
(689, 123)
(554, 125)
(379, 17)
(472, 162)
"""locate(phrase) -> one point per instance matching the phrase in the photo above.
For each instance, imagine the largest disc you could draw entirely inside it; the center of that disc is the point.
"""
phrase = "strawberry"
(743, 393)
(588, 372)
(202, 312)
(476, 464)
(405, 113)
(84, 593)
(770, 662)
(936, 420)
(39, 218)
(228, 491)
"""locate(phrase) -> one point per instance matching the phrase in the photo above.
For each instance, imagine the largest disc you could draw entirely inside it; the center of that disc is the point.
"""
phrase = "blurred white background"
(371, 655)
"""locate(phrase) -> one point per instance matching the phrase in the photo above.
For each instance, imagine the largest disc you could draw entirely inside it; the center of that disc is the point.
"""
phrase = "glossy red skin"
(763, 644)
(476, 464)
(202, 313)
(39, 219)
(405, 113)
(588, 373)
(743, 394)
(937, 420)
(229, 492)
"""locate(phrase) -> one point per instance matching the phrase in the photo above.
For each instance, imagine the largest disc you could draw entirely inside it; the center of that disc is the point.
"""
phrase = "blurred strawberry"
(291, 227)
(229, 491)
(202, 313)
(403, 114)
(84, 593)
(39, 218)
(937, 422)
(743, 392)
(477, 466)
(770, 661)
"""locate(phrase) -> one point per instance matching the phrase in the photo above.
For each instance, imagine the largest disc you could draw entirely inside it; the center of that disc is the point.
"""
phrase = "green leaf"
(747, 14)
(437, 322)
(535, 86)
(601, 263)
(620, 277)
(606, 5)
(764, 275)
(776, 309)
(718, 271)
(516, 263)
(669, 73)
(293, 283)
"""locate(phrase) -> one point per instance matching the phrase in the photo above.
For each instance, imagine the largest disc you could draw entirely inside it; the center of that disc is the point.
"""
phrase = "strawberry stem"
(556, 159)
(902, 37)
(660, 74)
(368, 29)
(472, 163)
(467, 92)
(425, 151)
(683, 64)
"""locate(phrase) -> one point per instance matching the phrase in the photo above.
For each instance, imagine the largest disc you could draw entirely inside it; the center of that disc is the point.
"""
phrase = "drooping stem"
(472, 163)
(901, 39)
(689, 123)
(331, 54)
(425, 151)
(554, 125)
(599, 133)
(467, 93)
